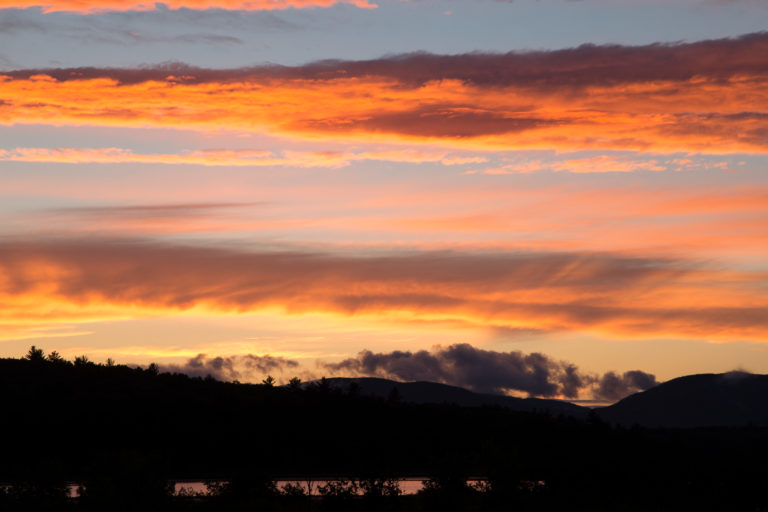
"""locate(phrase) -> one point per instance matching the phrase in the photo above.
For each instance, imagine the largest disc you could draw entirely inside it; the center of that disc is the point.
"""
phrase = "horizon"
(597, 401)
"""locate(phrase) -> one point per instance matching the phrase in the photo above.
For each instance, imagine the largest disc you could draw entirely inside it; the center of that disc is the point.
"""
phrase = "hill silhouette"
(707, 400)
(435, 393)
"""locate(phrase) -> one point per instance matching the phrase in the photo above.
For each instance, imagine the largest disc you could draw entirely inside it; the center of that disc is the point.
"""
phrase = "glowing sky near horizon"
(313, 178)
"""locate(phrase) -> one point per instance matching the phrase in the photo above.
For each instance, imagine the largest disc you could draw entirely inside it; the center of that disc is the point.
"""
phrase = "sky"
(557, 198)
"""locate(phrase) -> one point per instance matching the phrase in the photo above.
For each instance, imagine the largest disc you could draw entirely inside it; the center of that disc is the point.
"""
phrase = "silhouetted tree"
(35, 354)
(380, 494)
(449, 491)
(295, 497)
(245, 491)
(41, 493)
(338, 495)
(55, 357)
(269, 381)
(323, 386)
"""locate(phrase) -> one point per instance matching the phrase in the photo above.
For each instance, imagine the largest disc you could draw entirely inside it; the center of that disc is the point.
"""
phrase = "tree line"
(123, 435)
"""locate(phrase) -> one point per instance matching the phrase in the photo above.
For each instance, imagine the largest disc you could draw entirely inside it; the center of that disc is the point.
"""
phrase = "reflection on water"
(312, 487)
(408, 486)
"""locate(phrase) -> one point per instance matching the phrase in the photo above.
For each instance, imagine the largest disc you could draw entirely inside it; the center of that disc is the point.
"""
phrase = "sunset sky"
(549, 197)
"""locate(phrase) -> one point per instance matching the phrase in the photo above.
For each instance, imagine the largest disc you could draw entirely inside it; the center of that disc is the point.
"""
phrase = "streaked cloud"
(685, 218)
(603, 163)
(599, 293)
(121, 36)
(149, 210)
(698, 97)
(97, 6)
(230, 157)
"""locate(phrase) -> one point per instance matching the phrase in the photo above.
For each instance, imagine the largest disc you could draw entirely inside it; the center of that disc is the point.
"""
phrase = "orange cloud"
(619, 296)
(701, 97)
(95, 6)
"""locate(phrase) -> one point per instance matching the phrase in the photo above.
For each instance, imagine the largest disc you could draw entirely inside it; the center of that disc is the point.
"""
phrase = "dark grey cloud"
(582, 66)
(612, 386)
(483, 371)
(248, 367)
(489, 371)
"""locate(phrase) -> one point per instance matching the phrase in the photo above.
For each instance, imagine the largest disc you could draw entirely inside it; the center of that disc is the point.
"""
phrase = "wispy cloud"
(125, 37)
(231, 157)
(603, 163)
(247, 367)
(6, 63)
(13, 23)
(615, 295)
(99, 6)
(150, 210)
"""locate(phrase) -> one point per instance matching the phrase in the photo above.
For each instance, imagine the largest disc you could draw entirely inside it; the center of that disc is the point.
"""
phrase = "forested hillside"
(123, 434)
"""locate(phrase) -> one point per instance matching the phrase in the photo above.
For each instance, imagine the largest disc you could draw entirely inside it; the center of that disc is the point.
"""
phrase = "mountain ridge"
(702, 400)
(731, 399)
(424, 392)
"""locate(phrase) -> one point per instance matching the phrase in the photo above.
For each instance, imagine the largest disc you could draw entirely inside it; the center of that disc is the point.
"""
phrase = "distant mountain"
(708, 400)
(434, 393)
